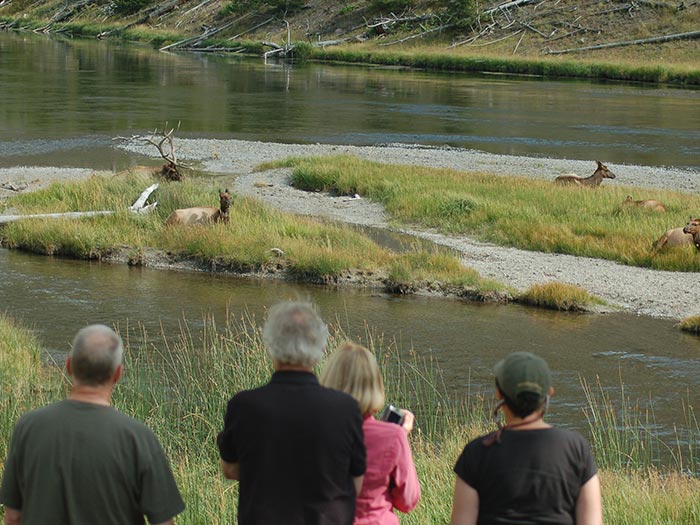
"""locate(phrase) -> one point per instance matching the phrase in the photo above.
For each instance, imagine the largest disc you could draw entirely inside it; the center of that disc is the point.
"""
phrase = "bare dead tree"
(171, 168)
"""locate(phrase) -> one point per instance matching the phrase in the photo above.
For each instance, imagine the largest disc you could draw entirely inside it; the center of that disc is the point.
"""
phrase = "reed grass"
(559, 296)
(690, 324)
(311, 250)
(531, 214)
(179, 385)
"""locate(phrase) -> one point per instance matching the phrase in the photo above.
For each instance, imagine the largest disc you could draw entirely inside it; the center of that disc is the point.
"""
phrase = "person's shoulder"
(47, 412)
(383, 429)
(564, 434)
(336, 396)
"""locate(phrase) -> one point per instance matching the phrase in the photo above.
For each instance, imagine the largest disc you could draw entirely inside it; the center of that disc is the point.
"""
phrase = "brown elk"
(203, 214)
(602, 172)
(693, 228)
(686, 236)
(647, 204)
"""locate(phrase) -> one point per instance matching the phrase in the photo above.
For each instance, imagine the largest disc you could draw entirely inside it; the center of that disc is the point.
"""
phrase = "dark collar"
(287, 376)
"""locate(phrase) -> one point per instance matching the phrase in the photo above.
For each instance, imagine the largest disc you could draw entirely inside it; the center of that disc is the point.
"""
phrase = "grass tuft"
(559, 296)
(690, 324)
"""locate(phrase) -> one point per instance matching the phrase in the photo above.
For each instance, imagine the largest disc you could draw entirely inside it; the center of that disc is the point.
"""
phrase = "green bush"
(386, 6)
(460, 12)
(129, 7)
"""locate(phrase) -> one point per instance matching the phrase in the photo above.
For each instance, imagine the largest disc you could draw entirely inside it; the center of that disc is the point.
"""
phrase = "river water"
(63, 101)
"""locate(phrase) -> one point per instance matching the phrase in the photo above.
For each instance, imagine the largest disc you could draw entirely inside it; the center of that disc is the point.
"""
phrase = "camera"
(392, 414)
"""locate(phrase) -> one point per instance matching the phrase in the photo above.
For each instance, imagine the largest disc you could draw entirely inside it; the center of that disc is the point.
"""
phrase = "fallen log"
(139, 206)
(666, 38)
(419, 35)
(507, 5)
(11, 186)
(67, 215)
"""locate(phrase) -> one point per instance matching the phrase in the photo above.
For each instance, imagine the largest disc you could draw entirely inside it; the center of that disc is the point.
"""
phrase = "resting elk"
(203, 214)
(693, 228)
(689, 235)
(593, 181)
(648, 204)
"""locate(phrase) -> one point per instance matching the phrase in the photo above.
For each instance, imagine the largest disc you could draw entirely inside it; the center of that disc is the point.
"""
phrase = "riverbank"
(654, 42)
(232, 163)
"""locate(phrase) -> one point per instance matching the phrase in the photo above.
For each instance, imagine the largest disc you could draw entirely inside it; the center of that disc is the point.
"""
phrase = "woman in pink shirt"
(390, 481)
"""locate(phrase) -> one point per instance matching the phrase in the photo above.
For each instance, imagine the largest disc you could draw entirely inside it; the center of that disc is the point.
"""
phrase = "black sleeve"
(226, 440)
(589, 466)
(466, 466)
(358, 461)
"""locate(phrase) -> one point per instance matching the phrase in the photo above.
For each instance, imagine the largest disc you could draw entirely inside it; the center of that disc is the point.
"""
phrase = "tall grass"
(312, 250)
(179, 385)
(515, 211)
(624, 434)
(559, 296)
(690, 324)
(24, 382)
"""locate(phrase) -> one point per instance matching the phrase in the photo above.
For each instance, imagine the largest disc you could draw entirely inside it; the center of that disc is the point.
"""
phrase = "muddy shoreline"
(231, 162)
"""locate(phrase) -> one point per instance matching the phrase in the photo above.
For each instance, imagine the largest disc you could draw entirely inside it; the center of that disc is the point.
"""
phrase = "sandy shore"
(637, 290)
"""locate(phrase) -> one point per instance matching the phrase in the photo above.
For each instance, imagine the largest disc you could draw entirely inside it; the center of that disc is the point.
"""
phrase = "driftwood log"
(139, 206)
(664, 38)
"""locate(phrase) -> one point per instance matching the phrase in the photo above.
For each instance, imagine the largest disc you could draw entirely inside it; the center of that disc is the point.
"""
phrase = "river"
(64, 101)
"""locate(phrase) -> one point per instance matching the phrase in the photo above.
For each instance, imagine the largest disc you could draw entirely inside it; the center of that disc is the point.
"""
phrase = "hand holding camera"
(401, 417)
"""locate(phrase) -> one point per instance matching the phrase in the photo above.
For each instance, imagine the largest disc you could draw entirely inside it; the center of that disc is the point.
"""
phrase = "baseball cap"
(523, 372)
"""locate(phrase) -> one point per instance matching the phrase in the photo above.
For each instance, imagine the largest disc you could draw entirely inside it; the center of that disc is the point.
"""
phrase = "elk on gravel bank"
(203, 214)
(602, 172)
(647, 204)
(693, 228)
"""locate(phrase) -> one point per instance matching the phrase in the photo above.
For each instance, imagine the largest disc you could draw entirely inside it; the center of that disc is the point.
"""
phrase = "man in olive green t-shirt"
(80, 461)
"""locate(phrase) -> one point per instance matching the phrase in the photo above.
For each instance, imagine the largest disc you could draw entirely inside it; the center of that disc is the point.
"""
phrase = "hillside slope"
(519, 28)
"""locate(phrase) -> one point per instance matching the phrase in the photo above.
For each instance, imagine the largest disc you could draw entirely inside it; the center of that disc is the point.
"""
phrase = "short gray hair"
(96, 354)
(294, 334)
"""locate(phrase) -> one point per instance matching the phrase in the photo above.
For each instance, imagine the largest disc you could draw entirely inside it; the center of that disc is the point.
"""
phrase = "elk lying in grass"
(602, 172)
(693, 228)
(647, 204)
(689, 235)
(203, 214)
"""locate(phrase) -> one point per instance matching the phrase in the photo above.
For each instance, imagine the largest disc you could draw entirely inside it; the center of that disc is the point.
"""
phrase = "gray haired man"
(80, 461)
(296, 447)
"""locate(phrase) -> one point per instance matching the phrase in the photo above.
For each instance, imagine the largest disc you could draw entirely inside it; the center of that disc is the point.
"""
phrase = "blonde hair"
(354, 370)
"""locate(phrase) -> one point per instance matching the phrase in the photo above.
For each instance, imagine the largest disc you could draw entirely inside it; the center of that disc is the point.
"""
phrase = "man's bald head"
(95, 356)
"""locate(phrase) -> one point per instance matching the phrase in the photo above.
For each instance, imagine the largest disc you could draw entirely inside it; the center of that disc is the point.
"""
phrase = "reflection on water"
(63, 101)
(657, 364)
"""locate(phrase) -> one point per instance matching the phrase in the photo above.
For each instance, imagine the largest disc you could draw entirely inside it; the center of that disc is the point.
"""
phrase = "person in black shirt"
(527, 472)
(296, 447)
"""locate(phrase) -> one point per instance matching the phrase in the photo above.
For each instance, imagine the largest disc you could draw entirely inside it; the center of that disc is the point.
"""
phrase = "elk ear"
(226, 190)
(600, 164)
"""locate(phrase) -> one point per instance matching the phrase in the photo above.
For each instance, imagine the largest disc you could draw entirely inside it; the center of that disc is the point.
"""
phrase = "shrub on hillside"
(461, 13)
(390, 6)
(129, 7)
(277, 7)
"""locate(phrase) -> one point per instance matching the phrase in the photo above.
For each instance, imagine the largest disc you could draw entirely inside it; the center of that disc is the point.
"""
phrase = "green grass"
(532, 214)
(559, 296)
(690, 324)
(438, 59)
(312, 250)
(179, 385)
